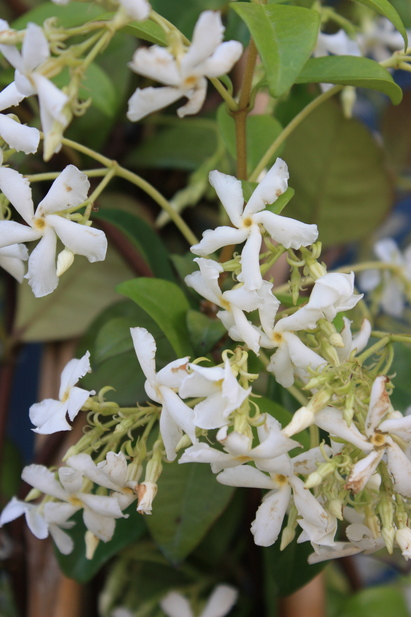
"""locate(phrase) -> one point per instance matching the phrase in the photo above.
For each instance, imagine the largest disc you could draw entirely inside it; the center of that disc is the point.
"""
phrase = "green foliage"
(204, 332)
(261, 131)
(69, 16)
(166, 304)
(339, 176)
(351, 71)
(285, 37)
(81, 569)
(182, 513)
(376, 602)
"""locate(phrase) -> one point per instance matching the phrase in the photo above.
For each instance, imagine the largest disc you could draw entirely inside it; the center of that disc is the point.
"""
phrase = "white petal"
(12, 260)
(137, 9)
(173, 374)
(379, 405)
(68, 190)
(41, 273)
(399, 467)
(288, 232)
(13, 510)
(71, 479)
(223, 59)
(36, 523)
(101, 526)
(35, 48)
(280, 365)
(220, 602)
(20, 137)
(203, 453)
(196, 98)
(274, 184)
(250, 260)
(12, 233)
(148, 100)
(102, 505)
(72, 372)
(214, 239)
(230, 192)
(245, 476)
(18, 192)
(171, 434)
(270, 515)
(49, 417)
(179, 411)
(156, 63)
(76, 400)
(145, 348)
(63, 541)
(44, 480)
(331, 420)
(207, 35)
(397, 426)
(10, 96)
(175, 605)
(363, 470)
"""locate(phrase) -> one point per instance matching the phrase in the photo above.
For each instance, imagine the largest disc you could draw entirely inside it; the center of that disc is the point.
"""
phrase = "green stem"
(223, 92)
(299, 396)
(121, 172)
(373, 349)
(98, 190)
(52, 175)
(395, 338)
(290, 128)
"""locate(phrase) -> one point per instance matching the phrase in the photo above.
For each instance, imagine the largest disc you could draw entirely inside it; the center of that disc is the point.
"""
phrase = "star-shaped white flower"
(235, 302)
(50, 415)
(18, 136)
(333, 293)
(251, 221)
(218, 605)
(12, 259)
(47, 223)
(185, 74)
(43, 519)
(29, 80)
(161, 387)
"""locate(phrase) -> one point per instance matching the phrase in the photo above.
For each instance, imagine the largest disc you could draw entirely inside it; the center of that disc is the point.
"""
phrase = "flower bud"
(64, 261)
(335, 507)
(403, 539)
(348, 100)
(92, 543)
(302, 419)
(146, 492)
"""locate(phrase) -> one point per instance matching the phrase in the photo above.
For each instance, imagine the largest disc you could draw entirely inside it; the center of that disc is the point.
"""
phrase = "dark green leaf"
(166, 304)
(285, 37)
(147, 31)
(351, 71)
(189, 500)
(69, 16)
(143, 237)
(204, 332)
(81, 569)
(338, 172)
(385, 8)
(261, 131)
(184, 146)
(376, 602)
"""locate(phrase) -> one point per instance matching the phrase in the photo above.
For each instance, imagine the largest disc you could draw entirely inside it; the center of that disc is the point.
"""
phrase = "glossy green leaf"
(143, 236)
(147, 31)
(81, 569)
(69, 16)
(404, 10)
(285, 37)
(184, 146)
(188, 501)
(278, 206)
(351, 71)
(83, 292)
(204, 332)
(261, 131)
(338, 172)
(385, 8)
(166, 304)
(376, 602)
(96, 86)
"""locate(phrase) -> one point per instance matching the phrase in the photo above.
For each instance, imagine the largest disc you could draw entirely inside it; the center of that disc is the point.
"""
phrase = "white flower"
(50, 415)
(12, 259)
(338, 44)
(18, 136)
(292, 354)
(379, 39)
(361, 540)
(146, 492)
(185, 74)
(223, 394)
(99, 511)
(218, 605)
(318, 525)
(247, 221)
(393, 283)
(235, 302)
(43, 519)
(29, 80)
(161, 387)
(238, 448)
(137, 9)
(111, 473)
(67, 191)
(333, 293)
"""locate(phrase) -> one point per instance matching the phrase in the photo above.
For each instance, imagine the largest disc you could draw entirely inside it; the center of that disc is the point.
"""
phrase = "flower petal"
(270, 515)
(68, 190)
(20, 137)
(41, 273)
(230, 192)
(220, 602)
(44, 480)
(274, 184)
(18, 192)
(148, 100)
(49, 417)
(176, 605)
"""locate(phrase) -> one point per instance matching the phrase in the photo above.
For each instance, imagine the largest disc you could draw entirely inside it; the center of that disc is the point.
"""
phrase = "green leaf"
(204, 332)
(185, 146)
(376, 602)
(185, 16)
(166, 304)
(83, 292)
(98, 86)
(339, 176)
(285, 37)
(288, 570)
(147, 31)
(385, 8)
(72, 15)
(404, 10)
(143, 236)
(81, 569)
(351, 71)
(278, 206)
(261, 131)
(188, 501)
